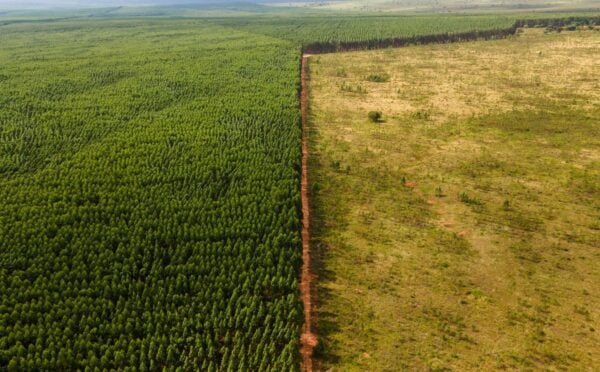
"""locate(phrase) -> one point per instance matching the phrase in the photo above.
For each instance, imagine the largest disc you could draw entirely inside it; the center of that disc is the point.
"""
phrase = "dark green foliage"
(559, 21)
(331, 33)
(149, 199)
(465, 198)
(374, 116)
(343, 33)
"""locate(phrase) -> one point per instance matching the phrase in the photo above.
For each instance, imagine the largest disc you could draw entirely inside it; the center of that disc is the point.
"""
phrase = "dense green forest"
(319, 34)
(310, 30)
(149, 202)
(149, 188)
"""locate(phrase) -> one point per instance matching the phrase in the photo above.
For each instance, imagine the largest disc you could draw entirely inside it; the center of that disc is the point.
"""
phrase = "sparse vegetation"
(465, 198)
(378, 78)
(339, 73)
(350, 88)
(505, 262)
(421, 115)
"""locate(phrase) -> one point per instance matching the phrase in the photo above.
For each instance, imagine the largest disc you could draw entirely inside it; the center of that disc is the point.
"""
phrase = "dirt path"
(308, 339)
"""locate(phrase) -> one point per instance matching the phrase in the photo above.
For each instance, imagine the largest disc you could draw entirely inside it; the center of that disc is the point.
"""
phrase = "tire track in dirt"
(308, 339)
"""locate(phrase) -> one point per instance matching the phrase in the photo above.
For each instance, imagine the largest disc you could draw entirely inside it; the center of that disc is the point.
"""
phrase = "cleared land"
(462, 232)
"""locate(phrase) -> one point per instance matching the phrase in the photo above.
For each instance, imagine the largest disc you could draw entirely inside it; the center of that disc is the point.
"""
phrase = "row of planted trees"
(446, 37)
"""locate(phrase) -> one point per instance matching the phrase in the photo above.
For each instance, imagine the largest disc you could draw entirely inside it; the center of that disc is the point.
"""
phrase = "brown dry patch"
(411, 184)
(475, 79)
(589, 155)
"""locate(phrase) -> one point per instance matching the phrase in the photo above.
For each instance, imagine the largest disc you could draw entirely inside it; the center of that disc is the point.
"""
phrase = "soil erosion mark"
(308, 339)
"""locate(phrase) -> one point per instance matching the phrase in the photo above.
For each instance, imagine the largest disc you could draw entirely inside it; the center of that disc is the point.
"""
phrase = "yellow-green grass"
(463, 231)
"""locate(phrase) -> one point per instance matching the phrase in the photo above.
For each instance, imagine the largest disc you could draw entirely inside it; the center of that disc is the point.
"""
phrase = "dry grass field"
(462, 231)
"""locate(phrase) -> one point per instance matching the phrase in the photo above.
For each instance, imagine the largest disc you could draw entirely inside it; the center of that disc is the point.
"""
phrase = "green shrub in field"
(345, 87)
(374, 116)
(378, 78)
(465, 198)
(421, 115)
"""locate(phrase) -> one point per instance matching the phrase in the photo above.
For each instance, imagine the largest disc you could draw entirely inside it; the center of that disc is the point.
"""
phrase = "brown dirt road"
(308, 340)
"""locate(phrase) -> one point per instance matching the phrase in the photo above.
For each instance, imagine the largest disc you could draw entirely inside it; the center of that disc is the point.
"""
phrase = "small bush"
(378, 78)
(341, 73)
(465, 198)
(353, 88)
(421, 115)
(375, 116)
(315, 188)
(438, 192)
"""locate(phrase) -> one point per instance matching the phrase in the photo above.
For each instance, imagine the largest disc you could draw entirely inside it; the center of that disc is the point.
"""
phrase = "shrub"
(378, 78)
(422, 115)
(341, 73)
(315, 188)
(352, 89)
(438, 192)
(375, 116)
(465, 198)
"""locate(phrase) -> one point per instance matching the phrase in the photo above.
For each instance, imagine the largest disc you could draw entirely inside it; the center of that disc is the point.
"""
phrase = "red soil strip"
(308, 339)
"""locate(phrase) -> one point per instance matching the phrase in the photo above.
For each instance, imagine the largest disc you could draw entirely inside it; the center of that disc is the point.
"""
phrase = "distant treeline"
(500, 33)
(559, 22)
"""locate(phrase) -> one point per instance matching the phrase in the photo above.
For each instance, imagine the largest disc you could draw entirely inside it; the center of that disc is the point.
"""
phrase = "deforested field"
(461, 230)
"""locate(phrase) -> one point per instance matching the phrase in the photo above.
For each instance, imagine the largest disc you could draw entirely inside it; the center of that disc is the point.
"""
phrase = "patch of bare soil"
(308, 339)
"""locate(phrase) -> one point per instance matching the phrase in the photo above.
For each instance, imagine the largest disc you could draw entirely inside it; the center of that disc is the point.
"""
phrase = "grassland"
(462, 231)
